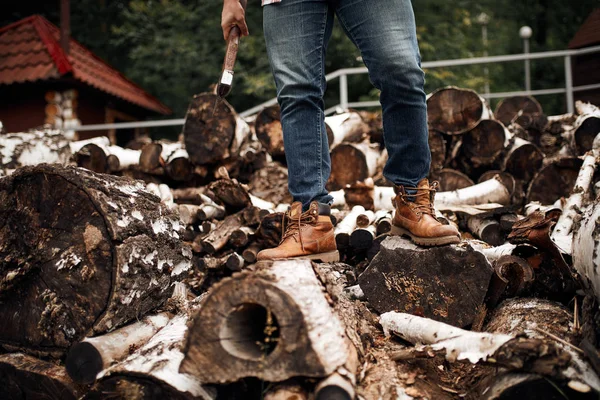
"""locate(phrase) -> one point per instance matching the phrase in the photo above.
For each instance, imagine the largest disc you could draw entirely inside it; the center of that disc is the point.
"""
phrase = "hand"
(233, 14)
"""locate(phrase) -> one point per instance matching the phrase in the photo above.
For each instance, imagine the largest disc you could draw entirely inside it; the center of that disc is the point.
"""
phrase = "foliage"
(174, 48)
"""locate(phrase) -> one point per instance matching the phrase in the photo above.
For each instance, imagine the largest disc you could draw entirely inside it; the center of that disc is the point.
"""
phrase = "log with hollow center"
(259, 324)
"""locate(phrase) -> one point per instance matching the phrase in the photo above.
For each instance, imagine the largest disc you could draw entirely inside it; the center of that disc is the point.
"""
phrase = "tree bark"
(152, 372)
(451, 180)
(261, 325)
(554, 181)
(437, 146)
(26, 377)
(483, 144)
(32, 148)
(450, 289)
(99, 251)
(453, 111)
(486, 229)
(212, 137)
(347, 127)
(92, 355)
(586, 127)
(345, 227)
(491, 191)
(271, 183)
(352, 162)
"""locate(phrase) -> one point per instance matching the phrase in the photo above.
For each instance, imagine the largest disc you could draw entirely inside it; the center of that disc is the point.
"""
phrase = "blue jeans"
(296, 35)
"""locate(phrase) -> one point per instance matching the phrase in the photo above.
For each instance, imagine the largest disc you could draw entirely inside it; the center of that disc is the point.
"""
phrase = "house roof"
(589, 33)
(30, 51)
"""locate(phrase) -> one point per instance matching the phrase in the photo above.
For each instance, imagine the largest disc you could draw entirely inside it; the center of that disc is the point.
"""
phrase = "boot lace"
(294, 225)
(428, 193)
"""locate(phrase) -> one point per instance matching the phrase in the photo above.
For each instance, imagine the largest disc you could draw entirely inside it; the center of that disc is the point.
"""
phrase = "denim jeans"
(296, 35)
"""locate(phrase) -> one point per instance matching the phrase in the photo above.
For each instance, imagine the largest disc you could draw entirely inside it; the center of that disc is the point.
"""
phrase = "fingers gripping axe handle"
(226, 79)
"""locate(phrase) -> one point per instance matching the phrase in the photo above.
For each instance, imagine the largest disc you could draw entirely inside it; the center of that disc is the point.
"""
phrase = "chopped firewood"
(450, 289)
(454, 111)
(100, 251)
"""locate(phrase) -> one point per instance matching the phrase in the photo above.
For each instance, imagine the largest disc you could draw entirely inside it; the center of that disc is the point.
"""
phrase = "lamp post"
(483, 19)
(525, 32)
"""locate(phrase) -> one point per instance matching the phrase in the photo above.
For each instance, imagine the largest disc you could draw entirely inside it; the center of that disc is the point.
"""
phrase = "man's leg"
(296, 35)
(385, 33)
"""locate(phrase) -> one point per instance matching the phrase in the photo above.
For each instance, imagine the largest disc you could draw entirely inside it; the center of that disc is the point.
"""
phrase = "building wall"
(22, 107)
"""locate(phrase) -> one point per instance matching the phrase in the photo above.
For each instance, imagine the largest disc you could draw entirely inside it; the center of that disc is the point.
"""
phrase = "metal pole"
(569, 84)
(344, 91)
(527, 66)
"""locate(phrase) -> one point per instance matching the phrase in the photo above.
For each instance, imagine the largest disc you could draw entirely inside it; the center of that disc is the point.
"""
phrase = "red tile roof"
(30, 51)
(589, 33)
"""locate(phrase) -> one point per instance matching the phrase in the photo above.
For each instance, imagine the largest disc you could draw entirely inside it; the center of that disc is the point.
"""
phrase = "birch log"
(451, 180)
(345, 227)
(586, 128)
(454, 111)
(563, 230)
(26, 377)
(483, 144)
(259, 324)
(212, 137)
(523, 159)
(90, 356)
(490, 191)
(586, 247)
(153, 371)
(347, 127)
(32, 148)
(99, 252)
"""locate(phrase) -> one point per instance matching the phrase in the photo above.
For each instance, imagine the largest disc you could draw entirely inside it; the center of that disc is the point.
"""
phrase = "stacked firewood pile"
(131, 272)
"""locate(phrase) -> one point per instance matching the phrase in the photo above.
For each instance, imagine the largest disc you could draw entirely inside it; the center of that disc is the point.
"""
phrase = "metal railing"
(343, 74)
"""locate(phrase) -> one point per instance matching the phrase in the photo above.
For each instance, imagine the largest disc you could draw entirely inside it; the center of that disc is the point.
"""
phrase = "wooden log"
(585, 246)
(188, 213)
(563, 231)
(102, 141)
(100, 251)
(235, 262)
(554, 181)
(150, 157)
(177, 163)
(586, 127)
(490, 191)
(240, 237)
(511, 108)
(32, 148)
(450, 180)
(212, 137)
(218, 237)
(486, 229)
(523, 159)
(483, 144)
(437, 146)
(362, 238)
(92, 157)
(92, 355)
(347, 127)
(230, 193)
(192, 195)
(450, 289)
(269, 232)
(153, 370)
(383, 220)
(26, 377)
(213, 263)
(453, 111)
(507, 179)
(344, 228)
(352, 162)
(270, 133)
(365, 219)
(286, 391)
(271, 183)
(249, 253)
(259, 324)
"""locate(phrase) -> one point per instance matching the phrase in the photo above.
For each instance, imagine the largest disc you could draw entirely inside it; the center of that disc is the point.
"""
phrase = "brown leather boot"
(307, 235)
(416, 218)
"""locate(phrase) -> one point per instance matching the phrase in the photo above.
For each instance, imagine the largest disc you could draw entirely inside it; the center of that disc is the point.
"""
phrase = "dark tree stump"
(437, 146)
(509, 109)
(523, 160)
(446, 284)
(26, 377)
(453, 111)
(483, 144)
(451, 179)
(82, 253)
(554, 181)
(212, 137)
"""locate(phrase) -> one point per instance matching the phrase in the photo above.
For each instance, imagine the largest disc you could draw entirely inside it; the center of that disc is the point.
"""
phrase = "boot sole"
(427, 242)
(329, 257)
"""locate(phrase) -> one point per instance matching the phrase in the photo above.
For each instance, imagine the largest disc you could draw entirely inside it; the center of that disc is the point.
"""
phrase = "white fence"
(342, 75)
